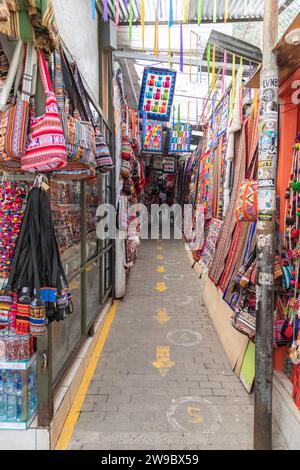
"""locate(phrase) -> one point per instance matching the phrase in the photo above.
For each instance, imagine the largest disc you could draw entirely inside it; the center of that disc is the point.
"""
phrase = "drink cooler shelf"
(18, 365)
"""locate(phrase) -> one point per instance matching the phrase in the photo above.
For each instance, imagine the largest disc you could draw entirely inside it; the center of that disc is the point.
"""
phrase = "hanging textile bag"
(104, 161)
(246, 209)
(79, 135)
(103, 158)
(244, 318)
(14, 117)
(46, 146)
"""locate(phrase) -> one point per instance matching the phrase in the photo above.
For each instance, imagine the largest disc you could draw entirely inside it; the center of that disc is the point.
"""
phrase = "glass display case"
(18, 393)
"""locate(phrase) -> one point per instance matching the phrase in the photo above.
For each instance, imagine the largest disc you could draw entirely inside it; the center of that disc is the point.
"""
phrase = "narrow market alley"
(163, 380)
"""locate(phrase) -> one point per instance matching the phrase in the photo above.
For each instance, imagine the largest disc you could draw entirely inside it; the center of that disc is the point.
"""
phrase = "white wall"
(80, 33)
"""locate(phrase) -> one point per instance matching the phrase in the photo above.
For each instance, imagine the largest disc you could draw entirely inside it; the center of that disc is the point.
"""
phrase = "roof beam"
(164, 59)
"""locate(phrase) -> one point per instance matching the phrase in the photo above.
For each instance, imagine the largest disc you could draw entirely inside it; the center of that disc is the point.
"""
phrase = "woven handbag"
(79, 135)
(46, 146)
(104, 161)
(14, 118)
(244, 322)
(246, 209)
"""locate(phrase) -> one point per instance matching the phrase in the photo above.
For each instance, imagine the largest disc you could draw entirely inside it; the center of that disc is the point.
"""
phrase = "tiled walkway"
(163, 380)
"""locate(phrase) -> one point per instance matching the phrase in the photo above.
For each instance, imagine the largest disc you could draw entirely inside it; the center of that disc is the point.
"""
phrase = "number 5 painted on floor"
(195, 414)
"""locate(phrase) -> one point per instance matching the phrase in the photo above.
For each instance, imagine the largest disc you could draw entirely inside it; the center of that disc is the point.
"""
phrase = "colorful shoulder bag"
(14, 118)
(46, 146)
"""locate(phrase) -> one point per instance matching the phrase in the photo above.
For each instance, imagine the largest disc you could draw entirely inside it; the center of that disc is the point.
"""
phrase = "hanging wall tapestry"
(152, 136)
(157, 93)
(180, 142)
(169, 165)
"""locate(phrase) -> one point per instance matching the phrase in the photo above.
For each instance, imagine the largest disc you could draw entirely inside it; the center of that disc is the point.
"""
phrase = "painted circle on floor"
(178, 299)
(174, 277)
(186, 338)
(190, 414)
(172, 262)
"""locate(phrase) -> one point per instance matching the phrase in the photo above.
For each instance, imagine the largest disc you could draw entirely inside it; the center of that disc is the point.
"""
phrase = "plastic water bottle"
(20, 403)
(3, 403)
(11, 401)
(32, 394)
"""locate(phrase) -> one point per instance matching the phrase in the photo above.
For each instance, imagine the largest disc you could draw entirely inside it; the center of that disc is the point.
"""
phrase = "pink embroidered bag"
(46, 146)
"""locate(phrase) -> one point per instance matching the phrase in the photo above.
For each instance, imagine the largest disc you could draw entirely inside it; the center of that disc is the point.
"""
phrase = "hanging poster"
(152, 136)
(180, 142)
(157, 93)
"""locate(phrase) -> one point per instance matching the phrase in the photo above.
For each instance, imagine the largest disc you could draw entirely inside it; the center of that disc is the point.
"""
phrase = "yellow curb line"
(72, 418)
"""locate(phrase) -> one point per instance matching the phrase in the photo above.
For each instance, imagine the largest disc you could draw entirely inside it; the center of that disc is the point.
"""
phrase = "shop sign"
(267, 183)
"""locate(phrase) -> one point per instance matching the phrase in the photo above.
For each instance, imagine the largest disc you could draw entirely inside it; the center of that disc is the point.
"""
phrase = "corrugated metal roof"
(239, 10)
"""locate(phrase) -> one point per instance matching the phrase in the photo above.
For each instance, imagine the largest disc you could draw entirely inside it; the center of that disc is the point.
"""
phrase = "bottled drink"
(11, 412)
(32, 399)
(3, 403)
(24, 297)
(20, 404)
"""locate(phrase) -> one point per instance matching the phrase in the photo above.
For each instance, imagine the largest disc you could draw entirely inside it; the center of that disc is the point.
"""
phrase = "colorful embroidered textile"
(211, 241)
(30, 20)
(46, 146)
(224, 243)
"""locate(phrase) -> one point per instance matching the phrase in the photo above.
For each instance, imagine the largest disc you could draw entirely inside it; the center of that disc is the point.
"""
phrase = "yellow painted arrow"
(161, 287)
(162, 316)
(160, 258)
(163, 363)
(160, 269)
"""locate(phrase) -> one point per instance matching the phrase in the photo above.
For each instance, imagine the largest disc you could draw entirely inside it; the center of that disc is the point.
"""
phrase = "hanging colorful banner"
(157, 93)
(152, 136)
(180, 142)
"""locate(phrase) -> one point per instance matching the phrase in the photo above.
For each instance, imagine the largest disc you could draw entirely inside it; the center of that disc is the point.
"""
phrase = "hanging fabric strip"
(232, 93)
(226, 12)
(94, 9)
(190, 58)
(215, 11)
(178, 120)
(130, 19)
(199, 11)
(186, 11)
(233, 75)
(105, 11)
(169, 47)
(181, 48)
(241, 73)
(213, 85)
(250, 76)
(188, 115)
(203, 113)
(143, 22)
(208, 63)
(200, 59)
(171, 14)
(224, 73)
(117, 12)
